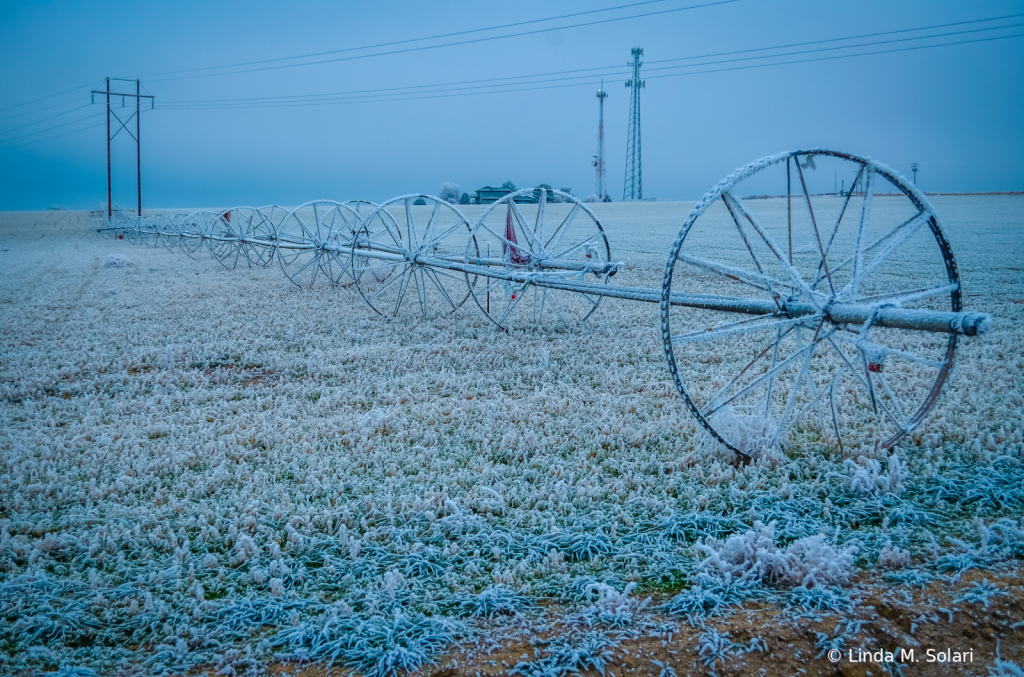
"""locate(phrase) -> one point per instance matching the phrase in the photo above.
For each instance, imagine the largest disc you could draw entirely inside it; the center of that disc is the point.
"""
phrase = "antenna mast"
(634, 187)
(599, 160)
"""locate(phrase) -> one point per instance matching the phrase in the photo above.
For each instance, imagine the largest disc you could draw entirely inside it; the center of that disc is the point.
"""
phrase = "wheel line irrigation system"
(843, 350)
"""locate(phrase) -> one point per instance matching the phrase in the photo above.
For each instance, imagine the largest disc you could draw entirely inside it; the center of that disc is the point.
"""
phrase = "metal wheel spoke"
(584, 243)
(907, 232)
(793, 272)
(868, 388)
(386, 264)
(432, 274)
(744, 327)
(815, 402)
(521, 220)
(511, 306)
(506, 242)
(566, 222)
(862, 345)
(558, 310)
(865, 215)
(904, 296)
(407, 273)
(538, 226)
(421, 289)
(714, 404)
(446, 233)
(410, 225)
(814, 223)
(839, 219)
(797, 382)
(427, 233)
(884, 238)
(751, 279)
(393, 280)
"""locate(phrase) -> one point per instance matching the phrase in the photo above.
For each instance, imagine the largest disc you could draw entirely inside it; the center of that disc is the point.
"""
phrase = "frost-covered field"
(216, 469)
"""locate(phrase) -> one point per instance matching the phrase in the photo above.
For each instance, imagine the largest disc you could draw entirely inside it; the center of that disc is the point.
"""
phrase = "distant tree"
(607, 198)
(591, 198)
(420, 201)
(566, 190)
(511, 186)
(464, 200)
(450, 192)
(544, 187)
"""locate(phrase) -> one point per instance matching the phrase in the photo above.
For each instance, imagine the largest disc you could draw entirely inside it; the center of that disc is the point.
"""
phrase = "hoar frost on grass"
(218, 469)
(755, 435)
(755, 555)
(117, 261)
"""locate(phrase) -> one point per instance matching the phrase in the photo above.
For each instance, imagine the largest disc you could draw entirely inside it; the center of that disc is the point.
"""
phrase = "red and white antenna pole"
(599, 160)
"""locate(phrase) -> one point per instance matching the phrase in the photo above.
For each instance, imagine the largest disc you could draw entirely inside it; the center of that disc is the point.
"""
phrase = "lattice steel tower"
(599, 160)
(634, 185)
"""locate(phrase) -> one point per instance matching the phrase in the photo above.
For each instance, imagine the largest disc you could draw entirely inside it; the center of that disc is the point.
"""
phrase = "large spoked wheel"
(256, 229)
(774, 235)
(398, 258)
(531, 236)
(224, 239)
(313, 243)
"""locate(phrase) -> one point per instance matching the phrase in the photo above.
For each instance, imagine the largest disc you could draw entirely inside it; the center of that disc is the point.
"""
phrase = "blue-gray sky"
(956, 110)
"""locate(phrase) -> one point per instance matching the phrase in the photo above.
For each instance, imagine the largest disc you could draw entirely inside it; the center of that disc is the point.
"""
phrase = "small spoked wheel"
(170, 236)
(259, 234)
(398, 259)
(146, 232)
(753, 296)
(132, 226)
(313, 242)
(531, 237)
(193, 232)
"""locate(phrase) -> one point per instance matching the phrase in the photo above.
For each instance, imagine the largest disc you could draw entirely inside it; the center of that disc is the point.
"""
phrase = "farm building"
(490, 194)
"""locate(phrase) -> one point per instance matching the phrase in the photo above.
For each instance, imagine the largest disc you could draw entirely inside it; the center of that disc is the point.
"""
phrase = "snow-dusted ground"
(206, 467)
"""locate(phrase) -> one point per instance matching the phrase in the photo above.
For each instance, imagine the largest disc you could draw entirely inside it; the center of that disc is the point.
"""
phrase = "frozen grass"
(570, 655)
(217, 469)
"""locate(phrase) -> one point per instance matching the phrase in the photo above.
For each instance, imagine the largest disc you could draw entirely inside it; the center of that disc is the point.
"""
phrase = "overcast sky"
(957, 110)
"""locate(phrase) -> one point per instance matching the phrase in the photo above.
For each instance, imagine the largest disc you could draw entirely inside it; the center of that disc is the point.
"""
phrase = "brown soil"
(889, 614)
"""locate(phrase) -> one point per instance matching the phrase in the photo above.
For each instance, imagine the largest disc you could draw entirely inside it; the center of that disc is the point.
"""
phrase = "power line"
(356, 93)
(554, 86)
(829, 49)
(55, 136)
(14, 129)
(453, 44)
(50, 96)
(40, 131)
(410, 40)
(419, 97)
(841, 56)
(386, 95)
(356, 97)
(39, 110)
(389, 89)
(853, 37)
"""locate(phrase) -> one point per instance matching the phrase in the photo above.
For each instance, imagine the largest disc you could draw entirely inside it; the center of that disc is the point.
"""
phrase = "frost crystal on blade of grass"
(493, 600)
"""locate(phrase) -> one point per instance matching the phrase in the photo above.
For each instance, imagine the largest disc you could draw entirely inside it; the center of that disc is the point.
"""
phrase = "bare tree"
(450, 192)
